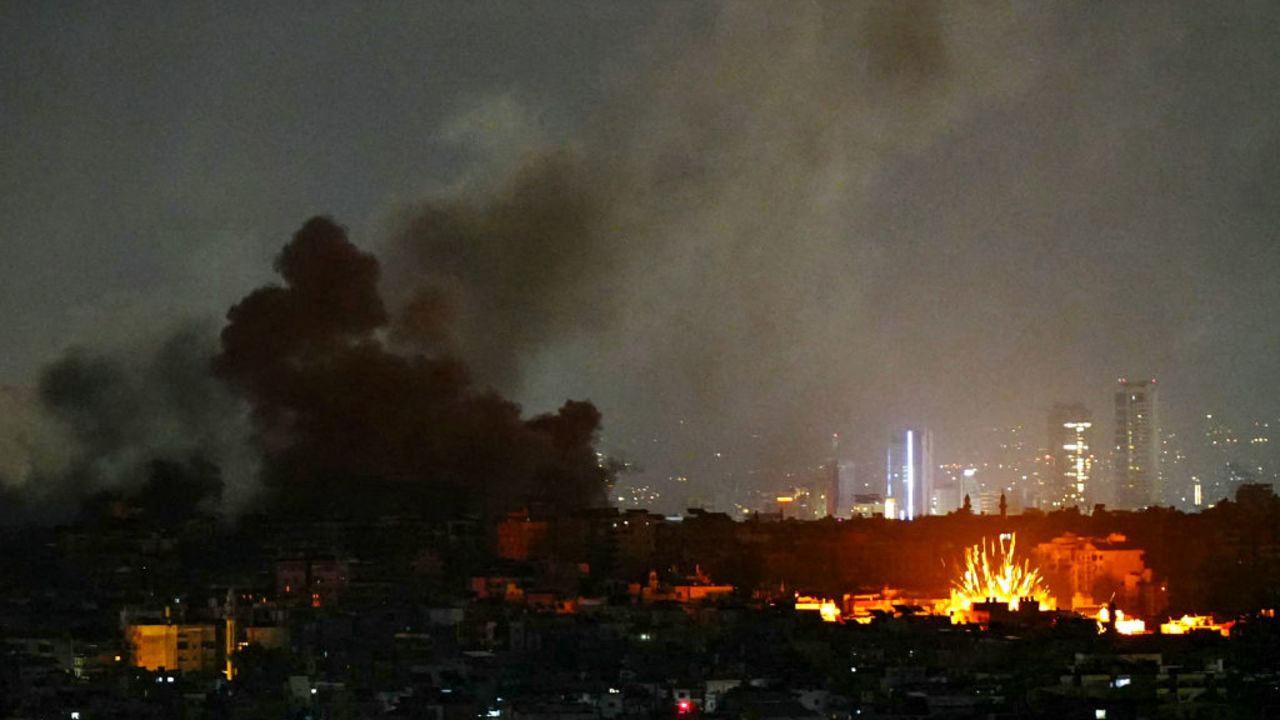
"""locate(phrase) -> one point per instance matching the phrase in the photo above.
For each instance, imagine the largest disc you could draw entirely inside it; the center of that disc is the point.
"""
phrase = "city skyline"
(870, 216)
(1198, 467)
(582, 360)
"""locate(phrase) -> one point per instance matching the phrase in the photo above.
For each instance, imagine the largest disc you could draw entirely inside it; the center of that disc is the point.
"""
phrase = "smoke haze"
(106, 422)
(736, 227)
(849, 216)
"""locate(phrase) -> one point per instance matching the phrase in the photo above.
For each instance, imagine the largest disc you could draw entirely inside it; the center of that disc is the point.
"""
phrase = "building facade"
(1135, 452)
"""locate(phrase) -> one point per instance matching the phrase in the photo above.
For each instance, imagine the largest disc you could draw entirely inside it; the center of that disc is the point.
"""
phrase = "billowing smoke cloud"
(786, 222)
(513, 270)
(334, 421)
(347, 426)
(700, 252)
(778, 222)
(152, 427)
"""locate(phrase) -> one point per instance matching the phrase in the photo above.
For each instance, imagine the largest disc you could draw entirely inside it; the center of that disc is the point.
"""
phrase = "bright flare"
(992, 573)
(827, 609)
(1124, 625)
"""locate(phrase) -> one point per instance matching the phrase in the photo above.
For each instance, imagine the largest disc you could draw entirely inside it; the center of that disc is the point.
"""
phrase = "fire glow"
(993, 574)
(1195, 623)
(827, 609)
(1124, 625)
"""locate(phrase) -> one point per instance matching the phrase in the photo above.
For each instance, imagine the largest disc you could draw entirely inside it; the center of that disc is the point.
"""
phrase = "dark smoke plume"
(152, 429)
(496, 276)
(346, 425)
(172, 493)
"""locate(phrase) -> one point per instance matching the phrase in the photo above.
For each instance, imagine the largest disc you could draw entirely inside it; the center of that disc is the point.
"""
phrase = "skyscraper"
(841, 491)
(909, 474)
(1135, 451)
(1071, 448)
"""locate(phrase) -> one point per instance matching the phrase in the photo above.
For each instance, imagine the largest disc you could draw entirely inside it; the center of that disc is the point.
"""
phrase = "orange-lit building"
(186, 648)
(1085, 572)
(693, 593)
(694, 589)
(520, 537)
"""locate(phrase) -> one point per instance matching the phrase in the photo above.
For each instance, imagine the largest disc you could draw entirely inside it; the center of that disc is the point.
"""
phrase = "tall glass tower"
(909, 474)
(1070, 446)
(1135, 451)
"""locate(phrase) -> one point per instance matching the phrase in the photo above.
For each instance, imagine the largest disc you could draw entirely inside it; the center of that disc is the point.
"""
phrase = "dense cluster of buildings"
(602, 614)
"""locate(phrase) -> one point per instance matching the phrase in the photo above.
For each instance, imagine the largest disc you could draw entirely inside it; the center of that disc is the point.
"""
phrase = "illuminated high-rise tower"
(909, 474)
(1135, 452)
(1071, 448)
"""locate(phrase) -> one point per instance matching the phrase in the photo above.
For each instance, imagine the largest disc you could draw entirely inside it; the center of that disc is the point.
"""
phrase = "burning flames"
(827, 609)
(1180, 626)
(1124, 625)
(995, 576)
(992, 574)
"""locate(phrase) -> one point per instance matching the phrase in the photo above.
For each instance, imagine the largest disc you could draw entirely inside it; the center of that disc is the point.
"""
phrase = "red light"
(683, 707)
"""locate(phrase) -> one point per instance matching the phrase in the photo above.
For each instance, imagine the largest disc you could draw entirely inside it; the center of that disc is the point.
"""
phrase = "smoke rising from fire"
(335, 422)
(849, 216)
(514, 269)
(766, 222)
(126, 424)
(701, 251)
(347, 426)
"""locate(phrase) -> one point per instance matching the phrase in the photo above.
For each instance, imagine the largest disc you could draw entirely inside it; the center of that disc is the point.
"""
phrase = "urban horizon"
(819, 360)
(1193, 470)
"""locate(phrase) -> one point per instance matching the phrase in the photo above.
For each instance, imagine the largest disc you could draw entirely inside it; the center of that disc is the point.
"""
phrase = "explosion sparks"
(993, 574)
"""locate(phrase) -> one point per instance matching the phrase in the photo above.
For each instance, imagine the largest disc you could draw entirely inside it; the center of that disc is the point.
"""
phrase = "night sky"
(736, 228)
